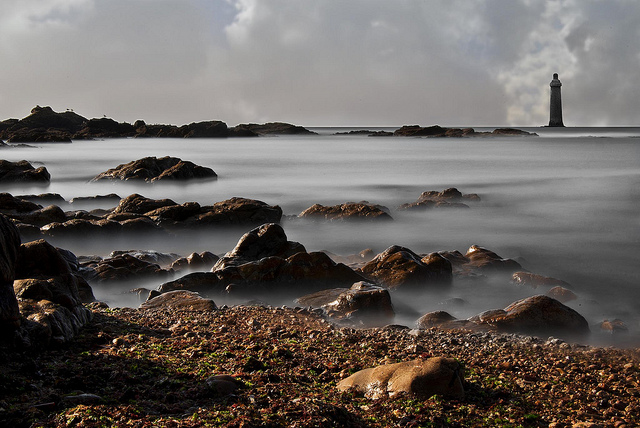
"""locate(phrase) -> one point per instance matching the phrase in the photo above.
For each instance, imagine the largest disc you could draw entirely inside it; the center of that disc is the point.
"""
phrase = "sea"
(564, 204)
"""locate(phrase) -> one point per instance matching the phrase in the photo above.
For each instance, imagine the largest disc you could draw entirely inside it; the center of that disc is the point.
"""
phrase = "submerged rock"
(152, 169)
(181, 300)
(448, 198)
(347, 211)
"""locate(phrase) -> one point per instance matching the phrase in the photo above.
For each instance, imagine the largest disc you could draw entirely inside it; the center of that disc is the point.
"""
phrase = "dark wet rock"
(81, 227)
(11, 205)
(347, 211)
(534, 281)
(124, 267)
(41, 216)
(401, 269)
(149, 256)
(273, 128)
(268, 240)
(22, 171)
(138, 204)
(562, 294)
(434, 319)
(111, 197)
(448, 198)
(363, 302)
(175, 213)
(362, 257)
(421, 378)
(50, 301)
(209, 129)
(512, 132)
(181, 300)
(44, 199)
(237, 212)
(152, 169)
(536, 315)
(487, 261)
(264, 261)
(9, 247)
(195, 262)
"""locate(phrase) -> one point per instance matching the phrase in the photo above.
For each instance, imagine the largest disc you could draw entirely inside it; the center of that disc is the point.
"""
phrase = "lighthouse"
(555, 106)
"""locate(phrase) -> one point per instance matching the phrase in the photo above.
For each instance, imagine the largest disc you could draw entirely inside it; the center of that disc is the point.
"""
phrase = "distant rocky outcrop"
(22, 171)
(46, 125)
(436, 131)
(273, 128)
(153, 169)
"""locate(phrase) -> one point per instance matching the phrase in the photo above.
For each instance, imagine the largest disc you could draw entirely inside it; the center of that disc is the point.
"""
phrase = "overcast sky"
(323, 62)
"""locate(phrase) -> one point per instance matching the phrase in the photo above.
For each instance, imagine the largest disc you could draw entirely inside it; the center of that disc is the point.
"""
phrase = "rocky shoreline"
(271, 366)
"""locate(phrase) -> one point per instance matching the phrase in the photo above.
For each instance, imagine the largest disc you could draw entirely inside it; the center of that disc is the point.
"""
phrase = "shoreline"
(156, 367)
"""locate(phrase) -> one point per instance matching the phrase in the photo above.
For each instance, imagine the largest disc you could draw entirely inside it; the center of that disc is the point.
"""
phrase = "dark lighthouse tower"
(555, 107)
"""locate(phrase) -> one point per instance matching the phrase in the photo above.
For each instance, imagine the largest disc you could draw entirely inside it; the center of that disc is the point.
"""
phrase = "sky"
(323, 62)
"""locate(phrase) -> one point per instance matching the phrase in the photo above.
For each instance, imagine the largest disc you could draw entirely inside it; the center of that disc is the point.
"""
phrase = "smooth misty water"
(565, 204)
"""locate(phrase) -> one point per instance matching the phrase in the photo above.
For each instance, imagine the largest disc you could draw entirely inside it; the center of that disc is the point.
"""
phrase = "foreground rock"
(346, 211)
(421, 378)
(152, 169)
(50, 293)
(22, 171)
(401, 269)
(363, 303)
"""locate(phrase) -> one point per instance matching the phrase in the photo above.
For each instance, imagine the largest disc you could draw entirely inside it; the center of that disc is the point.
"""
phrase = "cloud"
(323, 62)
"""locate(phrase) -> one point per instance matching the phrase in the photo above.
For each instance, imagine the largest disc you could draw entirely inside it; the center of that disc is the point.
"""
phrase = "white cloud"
(314, 62)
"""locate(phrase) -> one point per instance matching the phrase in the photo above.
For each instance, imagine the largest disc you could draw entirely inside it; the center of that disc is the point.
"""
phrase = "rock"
(399, 268)
(347, 211)
(440, 132)
(512, 132)
(448, 198)
(487, 261)
(22, 171)
(539, 314)
(138, 204)
(562, 294)
(110, 198)
(195, 261)
(175, 213)
(44, 199)
(222, 385)
(44, 125)
(614, 326)
(209, 129)
(418, 131)
(268, 240)
(153, 169)
(41, 216)
(9, 247)
(161, 259)
(364, 302)
(78, 227)
(434, 319)
(10, 205)
(272, 128)
(104, 128)
(125, 267)
(237, 212)
(181, 300)
(421, 378)
(534, 281)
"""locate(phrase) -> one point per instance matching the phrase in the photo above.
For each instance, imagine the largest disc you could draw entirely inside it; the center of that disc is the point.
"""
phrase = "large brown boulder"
(44, 125)
(399, 268)
(486, 261)
(22, 171)
(421, 378)
(153, 169)
(138, 204)
(9, 246)
(124, 267)
(346, 211)
(541, 315)
(534, 280)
